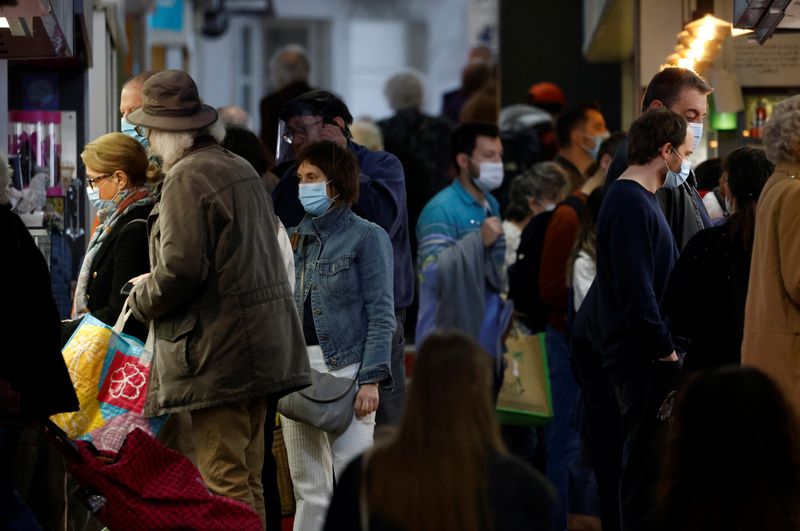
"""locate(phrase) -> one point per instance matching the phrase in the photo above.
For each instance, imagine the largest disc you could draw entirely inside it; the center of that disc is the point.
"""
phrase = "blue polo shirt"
(449, 216)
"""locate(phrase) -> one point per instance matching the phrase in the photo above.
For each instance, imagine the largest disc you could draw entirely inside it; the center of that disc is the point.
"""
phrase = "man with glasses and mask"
(320, 115)
(461, 248)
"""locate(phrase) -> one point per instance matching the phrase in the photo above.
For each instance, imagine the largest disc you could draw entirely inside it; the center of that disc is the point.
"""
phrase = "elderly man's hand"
(333, 133)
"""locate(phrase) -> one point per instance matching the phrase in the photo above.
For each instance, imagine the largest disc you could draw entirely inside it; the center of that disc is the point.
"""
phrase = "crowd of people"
(282, 274)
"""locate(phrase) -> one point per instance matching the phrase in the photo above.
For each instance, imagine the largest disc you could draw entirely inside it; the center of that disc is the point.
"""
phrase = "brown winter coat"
(225, 323)
(772, 315)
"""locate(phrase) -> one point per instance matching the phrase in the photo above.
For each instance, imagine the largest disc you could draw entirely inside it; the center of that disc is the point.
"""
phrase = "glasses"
(92, 180)
(302, 131)
(142, 131)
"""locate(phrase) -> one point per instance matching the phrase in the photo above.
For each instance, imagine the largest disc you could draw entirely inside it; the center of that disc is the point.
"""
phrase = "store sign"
(167, 16)
(776, 63)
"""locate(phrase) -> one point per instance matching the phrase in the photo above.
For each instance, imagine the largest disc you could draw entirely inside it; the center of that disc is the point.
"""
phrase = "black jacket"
(30, 359)
(123, 255)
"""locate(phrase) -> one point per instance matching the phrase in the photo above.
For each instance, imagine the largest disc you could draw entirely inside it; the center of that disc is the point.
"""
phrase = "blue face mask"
(314, 198)
(673, 179)
(129, 129)
(598, 140)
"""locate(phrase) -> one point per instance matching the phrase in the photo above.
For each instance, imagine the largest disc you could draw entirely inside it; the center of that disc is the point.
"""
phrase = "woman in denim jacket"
(344, 295)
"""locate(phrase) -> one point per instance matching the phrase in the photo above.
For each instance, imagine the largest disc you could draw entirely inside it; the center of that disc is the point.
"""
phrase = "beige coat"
(225, 322)
(772, 316)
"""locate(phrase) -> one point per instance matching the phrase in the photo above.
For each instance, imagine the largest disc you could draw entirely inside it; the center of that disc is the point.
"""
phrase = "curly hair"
(782, 132)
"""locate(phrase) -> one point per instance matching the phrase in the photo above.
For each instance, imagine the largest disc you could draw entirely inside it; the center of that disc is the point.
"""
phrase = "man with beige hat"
(227, 335)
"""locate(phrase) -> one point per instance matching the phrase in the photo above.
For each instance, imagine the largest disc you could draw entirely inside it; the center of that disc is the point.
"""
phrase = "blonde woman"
(117, 169)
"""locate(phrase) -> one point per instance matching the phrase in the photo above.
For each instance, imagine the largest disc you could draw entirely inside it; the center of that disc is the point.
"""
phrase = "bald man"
(130, 99)
(289, 71)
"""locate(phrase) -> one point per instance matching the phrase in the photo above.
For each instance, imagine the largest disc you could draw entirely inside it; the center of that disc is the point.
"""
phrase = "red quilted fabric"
(149, 486)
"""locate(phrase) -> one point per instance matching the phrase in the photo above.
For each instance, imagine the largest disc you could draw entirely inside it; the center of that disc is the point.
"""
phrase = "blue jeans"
(563, 442)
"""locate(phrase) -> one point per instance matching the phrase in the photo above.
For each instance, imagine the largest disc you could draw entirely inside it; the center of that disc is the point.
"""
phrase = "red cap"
(546, 92)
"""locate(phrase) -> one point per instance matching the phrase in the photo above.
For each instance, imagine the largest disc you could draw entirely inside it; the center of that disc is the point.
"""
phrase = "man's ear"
(605, 161)
(656, 104)
(462, 161)
(340, 122)
(665, 150)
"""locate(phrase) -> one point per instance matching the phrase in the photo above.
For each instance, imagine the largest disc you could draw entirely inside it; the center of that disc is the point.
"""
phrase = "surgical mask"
(314, 198)
(94, 198)
(129, 129)
(673, 179)
(550, 207)
(598, 140)
(697, 133)
(490, 176)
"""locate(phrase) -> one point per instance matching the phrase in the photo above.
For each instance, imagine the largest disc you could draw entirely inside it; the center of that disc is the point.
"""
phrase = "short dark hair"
(667, 85)
(319, 103)
(338, 164)
(465, 135)
(652, 130)
(247, 145)
(571, 119)
(708, 173)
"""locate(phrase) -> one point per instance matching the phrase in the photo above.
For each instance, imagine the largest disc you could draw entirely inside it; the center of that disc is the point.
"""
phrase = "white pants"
(316, 457)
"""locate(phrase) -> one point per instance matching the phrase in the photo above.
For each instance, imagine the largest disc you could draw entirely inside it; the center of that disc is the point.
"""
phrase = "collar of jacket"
(326, 223)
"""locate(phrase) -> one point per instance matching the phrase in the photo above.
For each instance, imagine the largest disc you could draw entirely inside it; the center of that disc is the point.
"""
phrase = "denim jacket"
(346, 264)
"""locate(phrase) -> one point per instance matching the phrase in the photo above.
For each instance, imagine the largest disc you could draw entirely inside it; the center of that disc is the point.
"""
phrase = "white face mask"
(673, 179)
(697, 133)
(490, 176)
(550, 207)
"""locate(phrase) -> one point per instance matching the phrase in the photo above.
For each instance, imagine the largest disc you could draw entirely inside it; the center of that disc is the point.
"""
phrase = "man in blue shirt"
(320, 115)
(460, 249)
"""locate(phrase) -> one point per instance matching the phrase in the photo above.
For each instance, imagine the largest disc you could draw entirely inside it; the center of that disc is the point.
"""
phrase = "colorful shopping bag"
(524, 397)
(110, 372)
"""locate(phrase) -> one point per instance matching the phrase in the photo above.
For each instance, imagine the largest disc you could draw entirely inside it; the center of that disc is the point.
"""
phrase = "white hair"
(289, 64)
(782, 132)
(366, 133)
(405, 90)
(171, 146)
(234, 115)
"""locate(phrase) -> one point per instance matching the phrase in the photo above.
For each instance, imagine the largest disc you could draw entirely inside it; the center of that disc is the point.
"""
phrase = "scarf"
(122, 203)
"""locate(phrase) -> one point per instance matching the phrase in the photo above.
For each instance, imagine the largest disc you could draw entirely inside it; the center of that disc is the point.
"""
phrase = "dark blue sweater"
(636, 252)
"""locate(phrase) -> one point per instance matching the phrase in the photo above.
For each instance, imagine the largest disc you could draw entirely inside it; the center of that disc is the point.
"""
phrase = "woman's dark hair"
(587, 235)
(653, 129)
(432, 474)
(708, 173)
(338, 164)
(747, 171)
(733, 458)
(667, 86)
(247, 145)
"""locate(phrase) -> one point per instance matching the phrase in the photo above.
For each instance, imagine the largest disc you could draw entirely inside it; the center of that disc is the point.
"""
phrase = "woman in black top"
(445, 469)
(117, 169)
(708, 287)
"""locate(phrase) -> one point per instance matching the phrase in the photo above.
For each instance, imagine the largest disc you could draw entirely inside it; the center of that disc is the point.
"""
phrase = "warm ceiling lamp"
(700, 42)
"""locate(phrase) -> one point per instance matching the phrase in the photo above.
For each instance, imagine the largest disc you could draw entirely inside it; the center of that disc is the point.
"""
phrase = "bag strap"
(122, 319)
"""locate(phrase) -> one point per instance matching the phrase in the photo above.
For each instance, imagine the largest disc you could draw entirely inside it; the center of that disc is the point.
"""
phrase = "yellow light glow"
(685, 62)
(746, 133)
(713, 144)
(738, 32)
